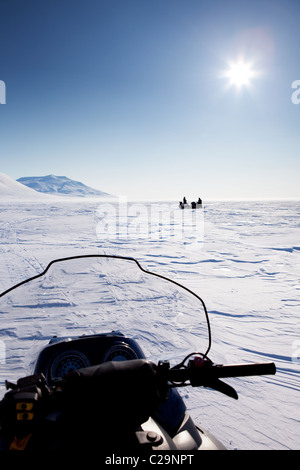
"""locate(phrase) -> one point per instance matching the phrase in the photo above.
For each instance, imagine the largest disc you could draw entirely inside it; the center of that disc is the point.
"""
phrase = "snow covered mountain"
(13, 190)
(59, 185)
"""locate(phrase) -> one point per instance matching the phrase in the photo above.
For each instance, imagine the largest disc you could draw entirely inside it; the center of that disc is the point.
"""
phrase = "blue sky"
(129, 96)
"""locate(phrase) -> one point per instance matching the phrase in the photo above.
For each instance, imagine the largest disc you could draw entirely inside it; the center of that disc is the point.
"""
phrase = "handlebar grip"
(243, 370)
(209, 372)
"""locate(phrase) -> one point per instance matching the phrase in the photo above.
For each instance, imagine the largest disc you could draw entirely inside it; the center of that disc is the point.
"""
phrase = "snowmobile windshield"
(99, 294)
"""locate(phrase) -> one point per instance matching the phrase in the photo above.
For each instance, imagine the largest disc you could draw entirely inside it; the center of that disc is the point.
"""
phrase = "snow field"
(243, 260)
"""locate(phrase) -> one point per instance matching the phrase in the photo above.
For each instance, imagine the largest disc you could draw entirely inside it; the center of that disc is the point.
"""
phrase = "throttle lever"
(210, 382)
(222, 387)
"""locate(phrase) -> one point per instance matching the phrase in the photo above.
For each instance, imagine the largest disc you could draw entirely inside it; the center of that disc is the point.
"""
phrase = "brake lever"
(214, 383)
(222, 387)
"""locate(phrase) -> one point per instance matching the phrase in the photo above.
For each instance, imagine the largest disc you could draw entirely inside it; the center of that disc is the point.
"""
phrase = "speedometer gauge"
(120, 352)
(67, 362)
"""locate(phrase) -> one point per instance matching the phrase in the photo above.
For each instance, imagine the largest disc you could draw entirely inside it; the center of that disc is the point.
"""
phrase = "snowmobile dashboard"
(64, 355)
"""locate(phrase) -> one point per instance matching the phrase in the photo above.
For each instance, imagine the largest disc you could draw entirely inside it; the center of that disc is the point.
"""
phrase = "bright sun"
(240, 74)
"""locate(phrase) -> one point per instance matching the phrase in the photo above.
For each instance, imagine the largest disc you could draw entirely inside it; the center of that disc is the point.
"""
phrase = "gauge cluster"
(64, 355)
(67, 362)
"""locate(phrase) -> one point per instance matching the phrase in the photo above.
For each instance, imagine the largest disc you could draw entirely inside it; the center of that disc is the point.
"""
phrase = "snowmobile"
(103, 347)
(192, 205)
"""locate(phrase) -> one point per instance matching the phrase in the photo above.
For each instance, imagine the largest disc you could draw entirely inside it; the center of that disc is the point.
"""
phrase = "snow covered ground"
(243, 258)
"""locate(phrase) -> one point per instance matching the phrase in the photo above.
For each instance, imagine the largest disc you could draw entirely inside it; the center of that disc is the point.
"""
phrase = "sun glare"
(240, 74)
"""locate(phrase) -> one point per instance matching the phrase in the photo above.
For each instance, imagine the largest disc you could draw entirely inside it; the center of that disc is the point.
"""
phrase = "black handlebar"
(243, 370)
(145, 379)
(208, 371)
(203, 373)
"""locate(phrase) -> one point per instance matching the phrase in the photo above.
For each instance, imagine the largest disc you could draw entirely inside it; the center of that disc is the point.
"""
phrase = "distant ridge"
(60, 185)
(13, 190)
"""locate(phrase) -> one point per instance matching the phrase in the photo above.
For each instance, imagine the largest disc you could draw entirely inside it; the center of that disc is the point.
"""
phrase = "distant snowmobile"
(193, 205)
